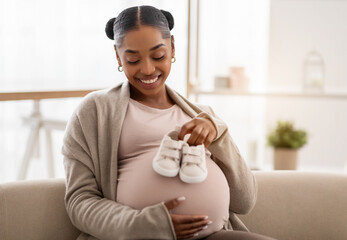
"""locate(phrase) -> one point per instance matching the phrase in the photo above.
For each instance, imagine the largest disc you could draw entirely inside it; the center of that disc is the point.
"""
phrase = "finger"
(186, 129)
(171, 204)
(195, 225)
(191, 232)
(209, 139)
(202, 137)
(188, 219)
(194, 135)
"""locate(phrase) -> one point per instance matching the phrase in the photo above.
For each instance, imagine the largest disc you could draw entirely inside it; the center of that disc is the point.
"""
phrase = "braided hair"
(132, 18)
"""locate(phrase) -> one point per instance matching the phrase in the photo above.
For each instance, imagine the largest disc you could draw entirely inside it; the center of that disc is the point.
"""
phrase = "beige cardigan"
(90, 158)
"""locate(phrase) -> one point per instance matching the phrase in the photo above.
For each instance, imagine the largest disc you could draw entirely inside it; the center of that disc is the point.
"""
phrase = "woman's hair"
(132, 18)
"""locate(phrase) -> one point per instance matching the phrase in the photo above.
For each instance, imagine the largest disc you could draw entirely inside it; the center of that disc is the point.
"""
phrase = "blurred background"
(255, 62)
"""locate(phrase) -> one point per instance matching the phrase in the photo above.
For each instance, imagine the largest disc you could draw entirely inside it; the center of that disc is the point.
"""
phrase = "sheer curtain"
(59, 45)
(62, 44)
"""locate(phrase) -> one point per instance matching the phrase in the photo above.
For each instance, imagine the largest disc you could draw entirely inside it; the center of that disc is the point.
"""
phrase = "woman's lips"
(149, 82)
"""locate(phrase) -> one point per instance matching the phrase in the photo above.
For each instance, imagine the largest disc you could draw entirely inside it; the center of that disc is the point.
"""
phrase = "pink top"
(140, 186)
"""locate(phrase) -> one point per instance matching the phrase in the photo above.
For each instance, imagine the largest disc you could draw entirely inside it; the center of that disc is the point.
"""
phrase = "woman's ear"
(117, 55)
(172, 46)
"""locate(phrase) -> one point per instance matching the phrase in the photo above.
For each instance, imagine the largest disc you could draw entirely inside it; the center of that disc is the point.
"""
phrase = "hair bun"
(109, 28)
(169, 18)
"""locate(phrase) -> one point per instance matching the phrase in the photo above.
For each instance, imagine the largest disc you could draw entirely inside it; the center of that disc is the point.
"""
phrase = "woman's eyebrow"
(131, 51)
(151, 49)
(157, 46)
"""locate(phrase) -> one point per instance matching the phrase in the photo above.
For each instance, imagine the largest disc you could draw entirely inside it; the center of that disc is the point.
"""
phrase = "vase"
(313, 72)
(238, 79)
(285, 159)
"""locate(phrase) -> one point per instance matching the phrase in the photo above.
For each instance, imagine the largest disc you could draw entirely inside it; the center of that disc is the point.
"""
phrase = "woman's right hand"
(186, 226)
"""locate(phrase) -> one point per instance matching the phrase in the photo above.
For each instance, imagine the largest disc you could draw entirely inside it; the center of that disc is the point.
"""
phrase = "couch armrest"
(298, 205)
(34, 210)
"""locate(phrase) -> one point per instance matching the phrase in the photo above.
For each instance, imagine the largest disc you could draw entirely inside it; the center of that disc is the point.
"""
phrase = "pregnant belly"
(140, 186)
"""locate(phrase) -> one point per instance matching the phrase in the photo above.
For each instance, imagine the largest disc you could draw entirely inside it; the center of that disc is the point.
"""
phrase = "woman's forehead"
(144, 38)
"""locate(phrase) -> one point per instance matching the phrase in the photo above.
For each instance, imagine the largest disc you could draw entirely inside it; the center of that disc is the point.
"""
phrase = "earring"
(120, 69)
(173, 59)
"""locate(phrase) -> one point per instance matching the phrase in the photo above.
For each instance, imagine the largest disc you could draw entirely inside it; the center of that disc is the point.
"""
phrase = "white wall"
(233, 33)
(296, 27)
(239, 34)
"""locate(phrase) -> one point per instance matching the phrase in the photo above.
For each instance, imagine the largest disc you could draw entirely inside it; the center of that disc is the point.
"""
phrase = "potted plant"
(286, 140)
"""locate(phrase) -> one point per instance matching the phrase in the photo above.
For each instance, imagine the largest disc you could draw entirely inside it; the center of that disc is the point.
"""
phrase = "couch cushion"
(34, 210)
(298, 205)
(290, 206)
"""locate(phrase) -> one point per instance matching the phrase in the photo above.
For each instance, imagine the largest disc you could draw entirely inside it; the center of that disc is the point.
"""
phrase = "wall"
(299, 26)
(296, 27)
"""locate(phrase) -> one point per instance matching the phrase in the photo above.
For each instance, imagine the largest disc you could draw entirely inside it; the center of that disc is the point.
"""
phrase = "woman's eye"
(133, 62)
(159, 58)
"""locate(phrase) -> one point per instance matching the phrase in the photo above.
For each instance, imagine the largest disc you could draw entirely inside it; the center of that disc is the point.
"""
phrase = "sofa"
(290, 206)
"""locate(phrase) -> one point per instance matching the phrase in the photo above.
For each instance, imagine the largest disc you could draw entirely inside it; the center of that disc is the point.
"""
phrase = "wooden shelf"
(272, 94)
(38, 95)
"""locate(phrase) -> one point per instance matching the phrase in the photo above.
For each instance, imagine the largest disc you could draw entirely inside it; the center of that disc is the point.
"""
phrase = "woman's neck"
(160, 100)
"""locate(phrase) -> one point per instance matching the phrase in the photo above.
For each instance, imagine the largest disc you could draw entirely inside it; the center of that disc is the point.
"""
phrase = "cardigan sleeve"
(242, 183)
(86, 206)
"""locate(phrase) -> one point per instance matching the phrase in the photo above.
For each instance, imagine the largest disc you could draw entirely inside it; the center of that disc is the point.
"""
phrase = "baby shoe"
(193, 164)
(167, 160)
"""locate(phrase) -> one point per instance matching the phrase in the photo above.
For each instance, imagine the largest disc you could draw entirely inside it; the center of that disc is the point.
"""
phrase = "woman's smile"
(149, 81)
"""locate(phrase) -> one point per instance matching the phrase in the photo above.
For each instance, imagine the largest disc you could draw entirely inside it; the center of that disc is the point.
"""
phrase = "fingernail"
(204, 227)
(181, 198)
(205, 217)
(196, 234)
(209, 222)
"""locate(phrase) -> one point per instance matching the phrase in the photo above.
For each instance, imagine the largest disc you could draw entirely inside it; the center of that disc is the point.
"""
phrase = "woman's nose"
(147, 67)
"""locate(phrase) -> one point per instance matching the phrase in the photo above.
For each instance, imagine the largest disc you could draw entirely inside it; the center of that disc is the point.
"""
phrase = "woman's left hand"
(202, 131)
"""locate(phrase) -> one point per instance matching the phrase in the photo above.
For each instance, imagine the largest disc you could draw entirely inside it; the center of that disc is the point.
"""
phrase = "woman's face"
(146, 60)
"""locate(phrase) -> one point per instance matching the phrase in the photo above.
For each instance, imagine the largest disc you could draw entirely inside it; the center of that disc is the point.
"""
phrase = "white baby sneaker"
(193, 164)
(167, 160)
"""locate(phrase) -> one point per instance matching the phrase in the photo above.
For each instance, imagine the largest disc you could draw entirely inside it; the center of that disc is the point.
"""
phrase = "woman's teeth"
(149, 81)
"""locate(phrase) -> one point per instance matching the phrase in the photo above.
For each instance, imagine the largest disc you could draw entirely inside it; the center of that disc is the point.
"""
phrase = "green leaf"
(286, 136)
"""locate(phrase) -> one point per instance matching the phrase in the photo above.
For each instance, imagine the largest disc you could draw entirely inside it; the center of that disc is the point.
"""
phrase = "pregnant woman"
(112, 190)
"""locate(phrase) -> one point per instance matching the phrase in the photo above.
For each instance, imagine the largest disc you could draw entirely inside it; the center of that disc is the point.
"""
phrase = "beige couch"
(291, 205)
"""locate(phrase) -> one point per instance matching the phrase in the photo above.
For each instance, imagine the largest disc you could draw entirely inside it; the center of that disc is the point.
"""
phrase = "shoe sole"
(188, 179)
(164, 172)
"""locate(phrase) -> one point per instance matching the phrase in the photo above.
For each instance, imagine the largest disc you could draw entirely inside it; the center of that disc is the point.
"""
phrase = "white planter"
(285, 159)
